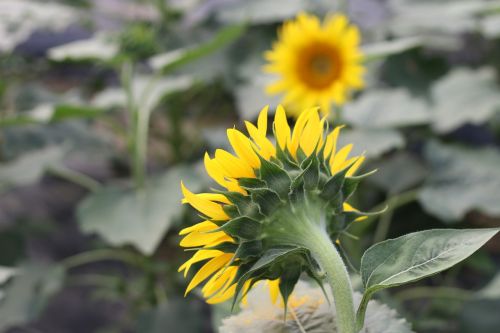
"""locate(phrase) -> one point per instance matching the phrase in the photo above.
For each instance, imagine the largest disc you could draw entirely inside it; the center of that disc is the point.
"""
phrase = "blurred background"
(106, 104)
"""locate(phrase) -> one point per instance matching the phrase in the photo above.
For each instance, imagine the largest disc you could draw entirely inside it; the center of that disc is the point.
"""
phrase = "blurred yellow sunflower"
(317, 64)
(274, 193)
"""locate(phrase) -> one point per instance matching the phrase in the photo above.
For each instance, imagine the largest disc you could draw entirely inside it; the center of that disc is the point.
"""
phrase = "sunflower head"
(273, 197)
(317, 64)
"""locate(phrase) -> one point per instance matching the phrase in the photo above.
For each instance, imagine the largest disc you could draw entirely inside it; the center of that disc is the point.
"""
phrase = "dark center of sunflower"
(319, 66)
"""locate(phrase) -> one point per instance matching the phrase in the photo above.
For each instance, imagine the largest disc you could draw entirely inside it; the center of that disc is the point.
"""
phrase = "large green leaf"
(372, 142)
(480, 313)
(387, 108)
(29, 167)
(50, 113)
(27, 293)
(464, 96)
(414, 173)
(147, 92)
(384, 49)
(425, 16)
(461, 180)
(138, 217)
(98, 47)
(21, 18)
(417, 255)
(259, 11)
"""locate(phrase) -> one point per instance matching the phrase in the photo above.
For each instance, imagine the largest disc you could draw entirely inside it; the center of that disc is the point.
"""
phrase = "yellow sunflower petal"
(266, 147)
(204, 206)
(274, 289)
(243, 147)
(223, 296)
(208, 269)
(212, 197)
(197, 257)
(262, 121)
(339, 158)
(281, 128)
(232, 165)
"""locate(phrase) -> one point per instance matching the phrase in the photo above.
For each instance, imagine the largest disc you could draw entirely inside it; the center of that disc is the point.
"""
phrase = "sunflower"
(274, 195)
(317, 64)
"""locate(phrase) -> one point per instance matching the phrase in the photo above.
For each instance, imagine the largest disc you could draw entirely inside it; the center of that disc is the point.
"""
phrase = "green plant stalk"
(337, 277)
(140, 147)
(305, 226)
(127, 71)
(88, 257)
(75, 177)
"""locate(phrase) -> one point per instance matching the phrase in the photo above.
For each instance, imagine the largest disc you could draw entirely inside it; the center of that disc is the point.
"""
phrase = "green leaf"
(372, 142)
(16, 29)
(387, 108)
(271, 257)
(30, 167)
(464, 96)
(288, 280)
(147, 92)
(311, 172)
(242, 227)
(50, 113)
(414, 174)
(461, 180)
(276, 178)
(259, 11)
(99, 47)
(267, 200)
(251, 183)
(26, 295)
(491, 290)
(418, 255)
(141, 217)
(381, 50)
(174, 59)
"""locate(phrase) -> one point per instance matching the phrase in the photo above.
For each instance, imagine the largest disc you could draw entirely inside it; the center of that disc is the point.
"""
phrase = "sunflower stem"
(337, 277)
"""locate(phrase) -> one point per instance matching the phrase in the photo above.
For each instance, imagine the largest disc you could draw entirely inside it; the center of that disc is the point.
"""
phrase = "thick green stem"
(338, 278)
(305, 226)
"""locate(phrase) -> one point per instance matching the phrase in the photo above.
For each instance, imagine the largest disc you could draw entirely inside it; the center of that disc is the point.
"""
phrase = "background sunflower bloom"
(317, 64)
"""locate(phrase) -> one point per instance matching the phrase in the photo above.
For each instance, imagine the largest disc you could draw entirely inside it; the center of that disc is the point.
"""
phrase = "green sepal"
(351, 183)
(333, 186)
(248, 250)
(276, 178)
(241, 227)
(297, 192)
(244, 205)
(301, 156)
(286, 159)
(231, 210)
(269, 258)
(266, 199)
(251, 183)
(288, 280)
(310, 173)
